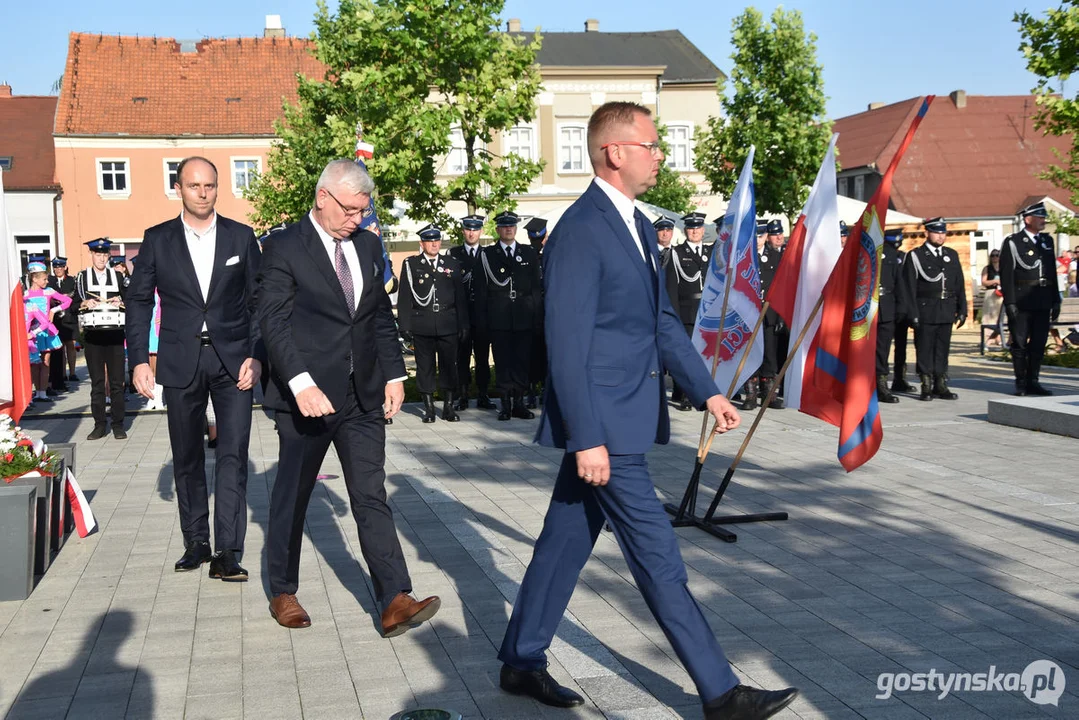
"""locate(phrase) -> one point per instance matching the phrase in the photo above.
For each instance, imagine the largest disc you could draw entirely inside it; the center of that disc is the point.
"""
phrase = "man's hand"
(593, 466)
(1012, 309)
(727, 418)
(143, 378)
(89, 304)
(463, 334)
(250, 372)
(960, 320)
(115, 302)
(914, 323)
(406, 336)
(314, 403)
(395, 395)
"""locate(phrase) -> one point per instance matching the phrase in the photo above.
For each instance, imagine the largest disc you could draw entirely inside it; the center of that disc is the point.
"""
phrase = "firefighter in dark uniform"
(844, 233)
(67, 323)
(509, 298)
(891, 301)
(432, 311)
(476, 344)
(686, 271)
(1028, 282)
(95, 287)
(776, 335)
(664, 233)
(537, 364)
(902, 332)
(938, 297)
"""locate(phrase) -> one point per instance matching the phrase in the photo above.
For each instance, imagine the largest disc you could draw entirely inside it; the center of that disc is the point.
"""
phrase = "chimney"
(514, 25)
(959, 97)
(591, 25)
(5, 90)
(875, 105)
(273, 27)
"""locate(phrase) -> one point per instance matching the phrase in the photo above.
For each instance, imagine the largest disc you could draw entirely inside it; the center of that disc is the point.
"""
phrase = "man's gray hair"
(346, 174)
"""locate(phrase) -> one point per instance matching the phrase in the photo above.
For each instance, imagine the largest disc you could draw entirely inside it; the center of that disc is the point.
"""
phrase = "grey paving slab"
(954, 550)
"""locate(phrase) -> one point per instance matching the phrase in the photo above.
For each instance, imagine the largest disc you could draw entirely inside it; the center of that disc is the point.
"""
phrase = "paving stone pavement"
(955, 549)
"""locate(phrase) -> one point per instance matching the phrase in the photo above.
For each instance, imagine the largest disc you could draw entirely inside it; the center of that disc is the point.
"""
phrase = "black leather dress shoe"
(118, 432)
(742, 702)
(538, 685)
(223, 566)
(97, 433)
(196, 554)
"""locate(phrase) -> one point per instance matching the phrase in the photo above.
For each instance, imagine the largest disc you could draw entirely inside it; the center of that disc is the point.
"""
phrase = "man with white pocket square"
(204, 268)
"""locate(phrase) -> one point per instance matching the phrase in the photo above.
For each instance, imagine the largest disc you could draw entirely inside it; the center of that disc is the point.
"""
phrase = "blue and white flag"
(733, 256)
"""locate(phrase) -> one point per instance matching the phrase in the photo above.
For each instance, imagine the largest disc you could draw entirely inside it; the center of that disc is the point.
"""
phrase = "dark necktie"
(344, 275)
(639, 221)
(509, 252)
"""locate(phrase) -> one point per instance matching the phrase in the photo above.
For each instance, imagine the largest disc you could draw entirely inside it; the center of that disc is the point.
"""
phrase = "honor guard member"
(1028, 282)
(96, 287)
(890, 301)
(776, 335)
(902, 333)
(476, 345)
(537, 364)
(664, 233)
(509, 296)
(432, 310)
(686, 272)
(67, 322)
(844, 233)
(119, 265)
(937, 291)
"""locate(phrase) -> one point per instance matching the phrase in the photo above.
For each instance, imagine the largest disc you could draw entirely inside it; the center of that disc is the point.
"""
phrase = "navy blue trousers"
(574, 521)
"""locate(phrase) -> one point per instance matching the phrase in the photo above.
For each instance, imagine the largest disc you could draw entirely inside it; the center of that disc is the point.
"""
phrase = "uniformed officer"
(891, 300)
(686, 271)
(537, 364)
(775, 332)
(509, 300)
(844, 233)
(1028, 282)
(935, 284)
(477, 345)
(67, 323)
(98, 286)
(119, 265)
(432, 310)
(664, 233)
(902, 333)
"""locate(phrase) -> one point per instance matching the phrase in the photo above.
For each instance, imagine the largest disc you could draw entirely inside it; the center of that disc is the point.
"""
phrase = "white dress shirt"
(695, 247)
(472, 250)
(512, 247)
(625, 208)
(202, 247)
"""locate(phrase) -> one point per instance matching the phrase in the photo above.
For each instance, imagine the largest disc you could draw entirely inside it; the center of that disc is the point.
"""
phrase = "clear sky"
(871, 50)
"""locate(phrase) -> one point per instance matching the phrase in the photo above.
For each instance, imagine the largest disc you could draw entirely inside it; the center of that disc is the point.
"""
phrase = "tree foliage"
(1050, 45)
(410, 71)
(777, 105)
(671, 191)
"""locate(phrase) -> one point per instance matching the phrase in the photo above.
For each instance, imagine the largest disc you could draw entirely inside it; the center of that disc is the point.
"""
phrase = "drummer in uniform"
(537, 364)
(99, 288)
(686, 272)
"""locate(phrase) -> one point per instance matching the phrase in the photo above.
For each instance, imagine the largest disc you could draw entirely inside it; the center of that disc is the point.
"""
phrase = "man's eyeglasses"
(352, 212)
(652, 147)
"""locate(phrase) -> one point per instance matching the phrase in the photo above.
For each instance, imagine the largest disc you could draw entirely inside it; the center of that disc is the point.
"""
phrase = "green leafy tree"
(671, 191)
(777, 105)
(409, 72)
(1050, 45)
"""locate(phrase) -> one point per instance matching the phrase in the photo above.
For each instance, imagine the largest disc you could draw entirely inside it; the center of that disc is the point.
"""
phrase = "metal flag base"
(685, 514)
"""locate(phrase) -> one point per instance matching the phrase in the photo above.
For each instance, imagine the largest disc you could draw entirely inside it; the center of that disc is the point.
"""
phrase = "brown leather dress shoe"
(406, 612)
(288, 612)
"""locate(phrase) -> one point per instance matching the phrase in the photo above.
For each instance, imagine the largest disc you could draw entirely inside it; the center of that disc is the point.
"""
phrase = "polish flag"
(15, 357)
(85, 523)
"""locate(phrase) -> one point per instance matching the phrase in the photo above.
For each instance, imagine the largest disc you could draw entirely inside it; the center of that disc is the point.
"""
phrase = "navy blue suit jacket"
(610, 336)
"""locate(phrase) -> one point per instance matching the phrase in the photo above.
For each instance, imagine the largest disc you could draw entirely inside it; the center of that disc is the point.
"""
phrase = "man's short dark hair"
(607, 117)
(185, 161)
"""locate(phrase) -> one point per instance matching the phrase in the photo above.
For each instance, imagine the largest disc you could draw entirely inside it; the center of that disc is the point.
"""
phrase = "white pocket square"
(232, 260)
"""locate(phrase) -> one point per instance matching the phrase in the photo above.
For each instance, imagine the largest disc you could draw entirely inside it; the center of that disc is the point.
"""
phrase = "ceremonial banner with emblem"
(733, 256)
(15, 386)
(839, 382)
(364, 152)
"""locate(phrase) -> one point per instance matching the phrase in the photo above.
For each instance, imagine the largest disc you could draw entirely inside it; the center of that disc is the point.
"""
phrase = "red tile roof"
(978, 161)
(150, 87)
(26, 137)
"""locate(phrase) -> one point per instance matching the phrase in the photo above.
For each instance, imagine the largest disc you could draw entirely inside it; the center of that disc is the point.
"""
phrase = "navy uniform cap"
(1035, 210)
(718, 221)
(663, 223)
(893, 235)
(762, 227)
(936, 225)
(536, 228)
(844, 231)
(99, 245)
(693, 220)
(35, 257)
(116, 260)
(775, 227)
(472, 222)
(507, 219)
(430, 232)
(59, 261)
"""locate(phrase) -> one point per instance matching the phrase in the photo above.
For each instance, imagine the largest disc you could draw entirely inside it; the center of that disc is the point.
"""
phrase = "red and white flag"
(80, 506)
(14, 351)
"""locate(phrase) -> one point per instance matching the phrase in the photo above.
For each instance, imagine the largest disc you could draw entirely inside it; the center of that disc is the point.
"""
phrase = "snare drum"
(102, 318)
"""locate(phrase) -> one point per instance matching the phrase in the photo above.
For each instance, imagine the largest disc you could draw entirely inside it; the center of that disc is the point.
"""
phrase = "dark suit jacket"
(924, 301)
(611, 332)
(308, 327)
(686, 296)
(473, 272)
(497, 311)
(1021, 286)
(165, 264)
(449, 295)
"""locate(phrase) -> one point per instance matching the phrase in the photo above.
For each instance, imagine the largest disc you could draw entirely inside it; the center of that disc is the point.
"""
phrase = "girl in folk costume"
(41, 303)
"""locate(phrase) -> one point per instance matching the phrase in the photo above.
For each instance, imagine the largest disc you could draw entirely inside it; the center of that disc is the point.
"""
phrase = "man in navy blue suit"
(611, 332)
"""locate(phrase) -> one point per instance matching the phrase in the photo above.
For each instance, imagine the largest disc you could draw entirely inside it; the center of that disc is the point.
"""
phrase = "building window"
(244, 171)
(859, 187)
(5, 162)
(841, 187)
(112, 177)
(171, 177)
(520, 142)
(680, 139)
(571, 149)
